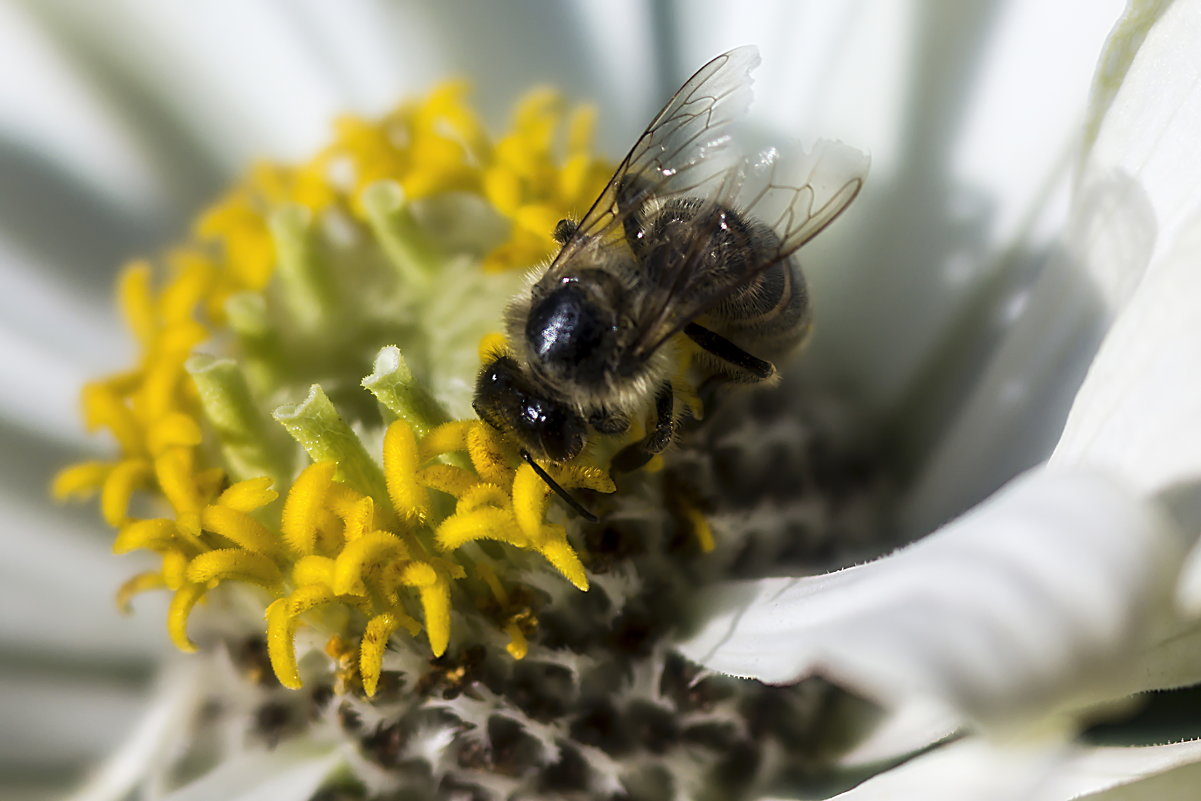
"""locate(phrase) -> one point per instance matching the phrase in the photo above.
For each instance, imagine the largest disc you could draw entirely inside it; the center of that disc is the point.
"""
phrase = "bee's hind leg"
(637, 454)
(752, 367)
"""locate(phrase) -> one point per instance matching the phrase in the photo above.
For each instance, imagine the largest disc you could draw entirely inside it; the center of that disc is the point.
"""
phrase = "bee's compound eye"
(558, 431)
(564, 441)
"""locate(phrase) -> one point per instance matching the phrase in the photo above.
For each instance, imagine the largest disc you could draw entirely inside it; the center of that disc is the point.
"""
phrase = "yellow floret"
(119, 487)
(401, 461)
(246, 496)
(303, 506)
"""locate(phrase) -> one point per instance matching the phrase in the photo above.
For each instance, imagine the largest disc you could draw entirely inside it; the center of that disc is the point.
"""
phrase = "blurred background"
(120, 121)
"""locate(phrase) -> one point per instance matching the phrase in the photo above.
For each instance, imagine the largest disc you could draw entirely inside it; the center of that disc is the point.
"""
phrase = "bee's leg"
(755, 368)
(607, 422)
(637, 454)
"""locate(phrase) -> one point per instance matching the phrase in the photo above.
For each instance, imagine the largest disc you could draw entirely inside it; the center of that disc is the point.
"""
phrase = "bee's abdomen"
(768, 315)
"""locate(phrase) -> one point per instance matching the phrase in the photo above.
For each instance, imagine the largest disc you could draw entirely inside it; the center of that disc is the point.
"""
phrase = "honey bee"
(687, 240)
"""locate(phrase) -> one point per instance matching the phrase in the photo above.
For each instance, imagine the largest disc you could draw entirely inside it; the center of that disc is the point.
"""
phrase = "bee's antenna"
(562, 493)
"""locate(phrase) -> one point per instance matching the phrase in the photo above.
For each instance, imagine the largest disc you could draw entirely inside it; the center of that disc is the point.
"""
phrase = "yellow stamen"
(303, 505)
(363, 555)
(358, 519)
(281, 630)
(80, 481)
(488, 454)
(445, 438)
(136, 299)
(492, 346)
(118, 488)
(234, 563)
(173, 468)
(174, 429)
(447, 478)
(103, 409)
(240, 529)
(375, 641)
(313, 570)
(479, 524)
(177, 615)
(571, 476)
(400, 470)
(518, 647)
(342, 499)
(435, 603)
(174, 568)
(142, 582)
(482, 495)
(489, 577)
(155, 535)
(700, 529)
(246, 496)
(560, 554)
(529, 500)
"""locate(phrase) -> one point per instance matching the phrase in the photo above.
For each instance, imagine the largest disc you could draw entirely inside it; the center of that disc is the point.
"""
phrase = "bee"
(687, 240)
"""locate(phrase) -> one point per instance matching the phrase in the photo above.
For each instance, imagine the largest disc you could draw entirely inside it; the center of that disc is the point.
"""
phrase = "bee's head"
(572, 330)
(508, 400)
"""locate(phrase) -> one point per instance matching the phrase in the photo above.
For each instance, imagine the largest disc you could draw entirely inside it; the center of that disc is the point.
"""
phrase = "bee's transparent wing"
(677, 153)
(796, 198)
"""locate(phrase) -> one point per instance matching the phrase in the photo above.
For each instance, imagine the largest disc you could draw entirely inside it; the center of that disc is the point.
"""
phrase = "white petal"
(1038, 599)
(237, 76)
(992, 103)
(1127, 206)
(1160, 772)
(168, 714)
(970, 769)
(56, 590)
(905, 730)
(1138, 410)
(1149, 133)
(54, 721)
(979, 770)
(50, 113)
(292, 772)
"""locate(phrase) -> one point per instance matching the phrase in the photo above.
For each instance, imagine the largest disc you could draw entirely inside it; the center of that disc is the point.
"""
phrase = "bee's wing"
(796, 199)
(679, 143)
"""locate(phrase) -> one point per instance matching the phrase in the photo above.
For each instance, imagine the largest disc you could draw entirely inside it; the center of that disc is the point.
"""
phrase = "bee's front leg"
(609, 422)
(639, 453)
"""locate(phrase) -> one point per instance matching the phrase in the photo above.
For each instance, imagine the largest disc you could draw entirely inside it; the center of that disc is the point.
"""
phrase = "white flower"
(962, 345)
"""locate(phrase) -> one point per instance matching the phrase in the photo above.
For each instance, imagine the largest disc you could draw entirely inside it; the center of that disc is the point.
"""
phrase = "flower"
(885, 371)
